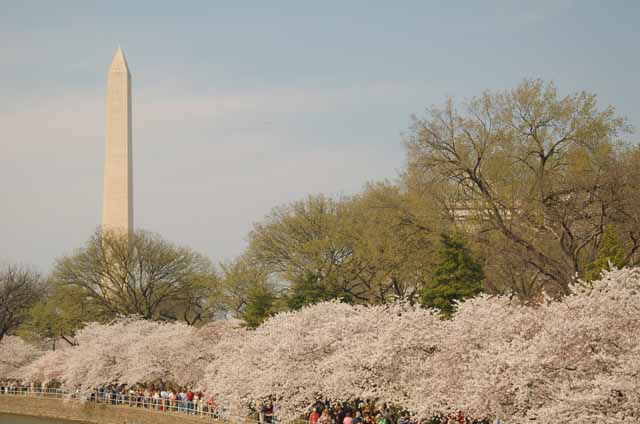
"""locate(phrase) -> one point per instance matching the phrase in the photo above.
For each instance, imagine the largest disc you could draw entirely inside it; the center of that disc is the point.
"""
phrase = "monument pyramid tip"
(119, 60)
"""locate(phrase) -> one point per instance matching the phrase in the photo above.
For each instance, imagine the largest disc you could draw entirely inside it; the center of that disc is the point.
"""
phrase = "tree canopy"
(140, 274)
(530, 172)
(20, 289)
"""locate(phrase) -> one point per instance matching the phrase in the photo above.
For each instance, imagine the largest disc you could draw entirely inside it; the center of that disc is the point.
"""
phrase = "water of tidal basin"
(21, 419)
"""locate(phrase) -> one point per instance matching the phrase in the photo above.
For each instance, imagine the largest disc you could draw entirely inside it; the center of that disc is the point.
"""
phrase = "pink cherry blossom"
(15, 353)
(575, 360)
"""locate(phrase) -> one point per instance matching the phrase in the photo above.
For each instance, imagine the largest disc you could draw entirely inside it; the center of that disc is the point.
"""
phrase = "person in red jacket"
(190, 395)
(314, 416)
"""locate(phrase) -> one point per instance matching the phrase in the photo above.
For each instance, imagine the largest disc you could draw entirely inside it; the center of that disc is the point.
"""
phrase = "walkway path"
(54, 403)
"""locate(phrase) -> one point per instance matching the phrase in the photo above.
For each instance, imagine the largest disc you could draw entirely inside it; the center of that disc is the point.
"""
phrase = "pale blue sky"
(242, 106)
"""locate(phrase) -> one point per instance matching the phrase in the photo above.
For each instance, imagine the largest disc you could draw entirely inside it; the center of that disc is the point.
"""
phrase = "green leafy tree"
(307, 238)
(261, 304)
(57, 317)
(457, 276)
(359, 249)
(237, 279)
(611, 253)
(309, 290)
(533, 172)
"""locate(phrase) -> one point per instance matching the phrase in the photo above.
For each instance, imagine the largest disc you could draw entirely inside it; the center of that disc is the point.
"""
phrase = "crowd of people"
(364, 412)
(163, 398)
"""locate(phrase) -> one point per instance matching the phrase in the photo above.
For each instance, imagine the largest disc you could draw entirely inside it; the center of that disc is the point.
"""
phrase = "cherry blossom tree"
(15, 353)
(131, 351)
(573, 360)
(47, 368)
(330, 351)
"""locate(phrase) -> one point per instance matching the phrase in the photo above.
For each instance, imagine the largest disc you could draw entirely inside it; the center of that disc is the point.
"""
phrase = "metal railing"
(200, 409)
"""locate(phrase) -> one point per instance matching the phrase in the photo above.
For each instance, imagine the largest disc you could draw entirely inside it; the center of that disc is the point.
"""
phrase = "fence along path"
(198, 411)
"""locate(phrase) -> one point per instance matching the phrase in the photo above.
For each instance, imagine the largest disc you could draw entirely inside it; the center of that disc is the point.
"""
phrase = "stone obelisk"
(118, 166)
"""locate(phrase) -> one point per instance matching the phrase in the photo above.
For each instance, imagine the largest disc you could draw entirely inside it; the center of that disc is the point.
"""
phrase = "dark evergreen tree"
(457, 276)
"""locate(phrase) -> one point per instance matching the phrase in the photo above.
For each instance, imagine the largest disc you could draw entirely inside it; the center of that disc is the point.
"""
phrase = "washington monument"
(117, 211)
